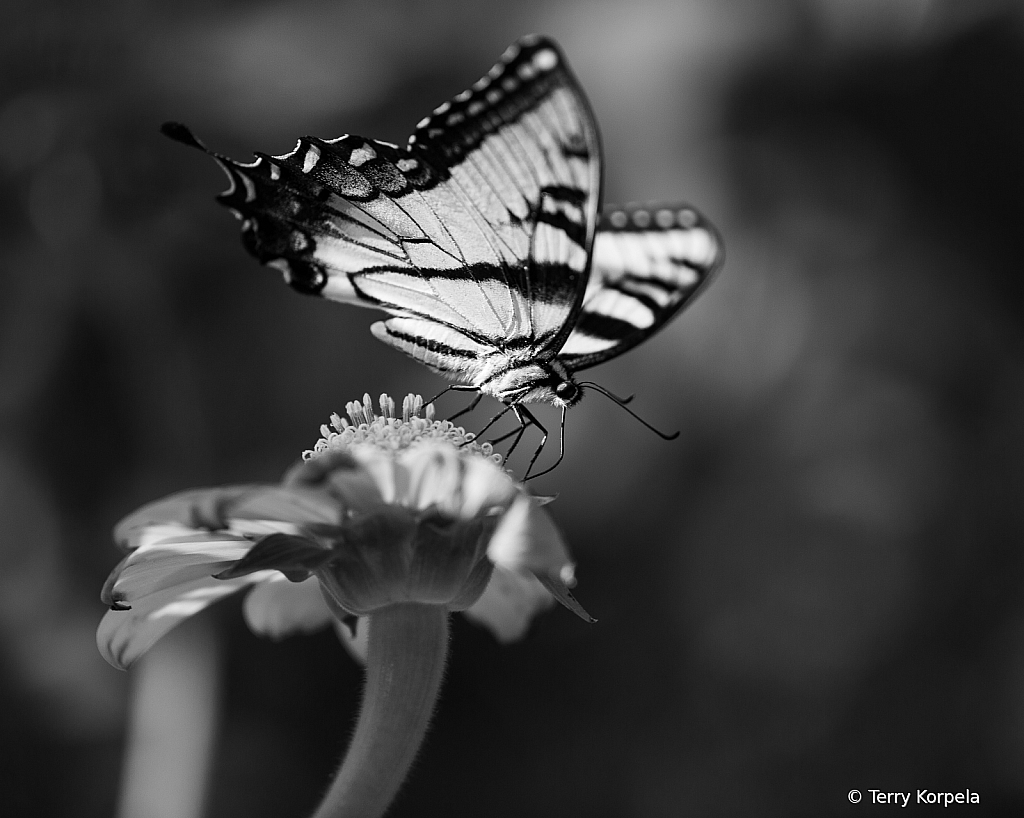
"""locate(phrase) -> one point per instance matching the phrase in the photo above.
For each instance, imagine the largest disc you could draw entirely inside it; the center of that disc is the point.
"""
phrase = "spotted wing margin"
(522, 146)
(481, 225)
(649, 262)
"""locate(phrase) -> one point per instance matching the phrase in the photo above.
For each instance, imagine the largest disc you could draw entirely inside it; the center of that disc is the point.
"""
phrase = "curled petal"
(314, 472)
(171, 555)
(255, 529)
(211, 509)
(460, 484)
(277, 607)
(287, 505)
(294, 556)
(124, 635)
(509, 603)
(434, 478)
(527, 540)
(343, 477)
(192, 509)
(390, 480)
(485, 486)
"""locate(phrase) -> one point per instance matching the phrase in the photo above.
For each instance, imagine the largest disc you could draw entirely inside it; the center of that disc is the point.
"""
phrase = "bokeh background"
(818, 587)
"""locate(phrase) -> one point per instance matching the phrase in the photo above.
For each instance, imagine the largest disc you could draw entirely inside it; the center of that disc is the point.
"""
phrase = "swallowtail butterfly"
(481, 237)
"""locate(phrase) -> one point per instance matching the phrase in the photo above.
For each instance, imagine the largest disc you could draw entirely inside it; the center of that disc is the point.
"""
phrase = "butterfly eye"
(566, 390)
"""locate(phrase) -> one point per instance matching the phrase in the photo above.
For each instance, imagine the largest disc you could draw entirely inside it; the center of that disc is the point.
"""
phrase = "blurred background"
(818, 587)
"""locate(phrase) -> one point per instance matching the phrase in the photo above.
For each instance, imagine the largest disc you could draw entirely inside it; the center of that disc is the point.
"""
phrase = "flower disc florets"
(389, 432)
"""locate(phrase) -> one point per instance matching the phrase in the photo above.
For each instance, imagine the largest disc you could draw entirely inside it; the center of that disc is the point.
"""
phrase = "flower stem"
(408, 645)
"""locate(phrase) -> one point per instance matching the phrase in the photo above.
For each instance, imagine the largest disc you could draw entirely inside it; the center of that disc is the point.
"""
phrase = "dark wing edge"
(517, 120)
(649, 262)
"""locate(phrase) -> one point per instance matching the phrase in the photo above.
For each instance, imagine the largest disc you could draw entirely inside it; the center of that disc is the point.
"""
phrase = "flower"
(395, 520)
(384, 510)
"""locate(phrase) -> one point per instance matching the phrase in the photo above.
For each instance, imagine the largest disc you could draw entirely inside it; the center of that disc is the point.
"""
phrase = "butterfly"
(482, 237)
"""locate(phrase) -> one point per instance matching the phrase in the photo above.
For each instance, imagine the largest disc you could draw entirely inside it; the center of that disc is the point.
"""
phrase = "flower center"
(391, 433)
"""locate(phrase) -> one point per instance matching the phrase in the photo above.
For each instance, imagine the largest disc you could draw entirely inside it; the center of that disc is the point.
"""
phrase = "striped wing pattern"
(476, 236)
(649, 261)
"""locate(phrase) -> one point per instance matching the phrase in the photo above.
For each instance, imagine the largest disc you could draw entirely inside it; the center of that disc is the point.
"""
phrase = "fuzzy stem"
(408, 645)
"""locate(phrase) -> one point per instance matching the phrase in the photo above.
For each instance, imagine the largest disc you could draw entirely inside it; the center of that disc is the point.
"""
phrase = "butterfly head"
(535, 382)
(567, 392)
(557, 385)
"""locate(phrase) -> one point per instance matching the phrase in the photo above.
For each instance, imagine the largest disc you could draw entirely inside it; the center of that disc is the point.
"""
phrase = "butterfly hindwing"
(482, 225)
(649, 261)
(443, 350)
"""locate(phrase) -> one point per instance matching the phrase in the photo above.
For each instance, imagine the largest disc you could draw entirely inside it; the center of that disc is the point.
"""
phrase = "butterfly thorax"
(536, 382)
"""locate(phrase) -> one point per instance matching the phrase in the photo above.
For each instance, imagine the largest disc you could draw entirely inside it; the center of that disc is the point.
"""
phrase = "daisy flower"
(391, 521)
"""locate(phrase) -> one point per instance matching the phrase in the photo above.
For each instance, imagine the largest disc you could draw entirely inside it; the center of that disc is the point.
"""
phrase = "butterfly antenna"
(625, 408)
(619, 400)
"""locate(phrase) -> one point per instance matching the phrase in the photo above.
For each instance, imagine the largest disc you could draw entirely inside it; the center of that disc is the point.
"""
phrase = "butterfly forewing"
(482, 225)
(523, 149)
(649, 261)
(480, 237)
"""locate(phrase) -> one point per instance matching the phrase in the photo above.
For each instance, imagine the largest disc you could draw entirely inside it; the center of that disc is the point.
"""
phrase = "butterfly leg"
(456, 387)
(494, 420)
(444, 391)
(525, 417)
(519, 436)
(475, 402)
(561, 445)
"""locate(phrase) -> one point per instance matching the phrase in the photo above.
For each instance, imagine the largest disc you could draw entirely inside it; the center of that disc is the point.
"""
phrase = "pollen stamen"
(390, 433)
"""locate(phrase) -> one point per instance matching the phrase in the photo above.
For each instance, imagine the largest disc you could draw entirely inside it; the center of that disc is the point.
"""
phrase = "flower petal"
(211, 509)
(485, 486)
(560, 591)
(434, 478)
(294, 556)
(123, 636)
(172, 556)
(254, 529)
(526, 539)
(388, 480)
(299, 506)
(192, 509)
(509, 603)
(345, 478)
(278, 607)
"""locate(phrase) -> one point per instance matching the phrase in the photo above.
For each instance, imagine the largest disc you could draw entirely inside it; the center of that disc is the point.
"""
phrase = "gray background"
(817, 587)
